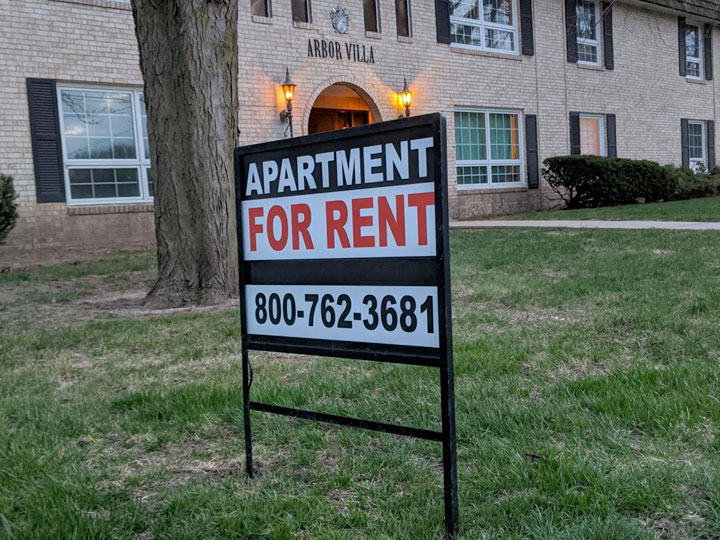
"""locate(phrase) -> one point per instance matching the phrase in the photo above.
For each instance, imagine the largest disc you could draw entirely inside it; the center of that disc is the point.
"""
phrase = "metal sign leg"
(447, 390)
(246, 412)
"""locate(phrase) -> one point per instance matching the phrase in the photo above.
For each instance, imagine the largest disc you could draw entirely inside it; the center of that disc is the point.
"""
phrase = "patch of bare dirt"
(130, 304)
(17, 259)
(579, 369)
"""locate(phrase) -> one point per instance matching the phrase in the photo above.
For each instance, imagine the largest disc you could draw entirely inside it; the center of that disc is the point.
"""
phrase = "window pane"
(692, 42)
(300, 10)
(587, 53)
(104, 183)
(466, 34)
(499, 40)
(693, 68)
(259, 7)
(74, 125)
(98, 124)
(143, 118)
(402, 14)
(470, 136)
(151, 181)
(504, 142)
(77, 148)
(467, 9)
(590, 136)
(498, 11)
(695, 140)
(100, 148)
(586, 20)
(503, 174)
(472, 175)
(370, 13)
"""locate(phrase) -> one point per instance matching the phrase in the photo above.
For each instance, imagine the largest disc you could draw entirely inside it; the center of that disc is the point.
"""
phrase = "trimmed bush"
(591, 181)
(8, 207)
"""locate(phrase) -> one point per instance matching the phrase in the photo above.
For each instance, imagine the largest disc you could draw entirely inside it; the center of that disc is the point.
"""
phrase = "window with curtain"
(372, 17)
(487, 148)
(260, 8)
(588, 32)
(301, 10)
(402, 14)
(105, 144)
(484, 24)
(693, 51)
(592, 135)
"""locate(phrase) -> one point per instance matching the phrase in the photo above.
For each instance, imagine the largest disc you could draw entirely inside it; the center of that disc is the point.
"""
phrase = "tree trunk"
(189, 61)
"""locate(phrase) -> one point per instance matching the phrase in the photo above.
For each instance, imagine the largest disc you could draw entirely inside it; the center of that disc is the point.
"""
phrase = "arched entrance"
(340, 106)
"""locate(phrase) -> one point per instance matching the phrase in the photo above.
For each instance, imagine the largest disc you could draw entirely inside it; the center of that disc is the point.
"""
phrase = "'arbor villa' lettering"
(354, 52)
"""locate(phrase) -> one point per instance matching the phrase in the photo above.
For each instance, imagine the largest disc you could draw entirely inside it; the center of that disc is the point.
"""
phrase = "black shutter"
(531, 151)
(526, 27)
(710, 129)
(708, 52)
(685, 142)
(611, 135)
(608, 50)
(574, 133)
(45, 136)
(442, 21)
(681, 47)
(571, 30)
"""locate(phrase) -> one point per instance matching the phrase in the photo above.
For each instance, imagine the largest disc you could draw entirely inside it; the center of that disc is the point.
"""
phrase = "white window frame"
(488, 162)
(602, 135)
(592, 42)
(139, 162)
(482, 24)
(694, 162)
(701, 51)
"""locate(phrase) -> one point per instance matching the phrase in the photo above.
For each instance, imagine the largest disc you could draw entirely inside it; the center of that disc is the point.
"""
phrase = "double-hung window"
(488, 148)
(697, 144)
(693, 51)
(484, 24)
(588, 32)
(105, 145)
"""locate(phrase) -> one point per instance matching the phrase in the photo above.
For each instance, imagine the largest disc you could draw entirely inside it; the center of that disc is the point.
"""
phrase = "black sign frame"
(441, 358)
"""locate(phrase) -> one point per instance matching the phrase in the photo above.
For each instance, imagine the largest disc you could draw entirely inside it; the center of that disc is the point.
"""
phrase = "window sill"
(110, 209)
(696, 81)
(591, 67)
(459, 49)
(404, 39)
(113, 4)
(373, 35)
(303, 25)
(469, 190)
(262, 20)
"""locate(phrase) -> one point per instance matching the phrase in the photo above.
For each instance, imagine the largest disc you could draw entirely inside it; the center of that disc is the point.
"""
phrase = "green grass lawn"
(707, 209)
(588, 405)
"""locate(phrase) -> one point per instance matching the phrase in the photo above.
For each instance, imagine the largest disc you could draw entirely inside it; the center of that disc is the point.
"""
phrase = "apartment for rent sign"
(339, 239)
(343, 247)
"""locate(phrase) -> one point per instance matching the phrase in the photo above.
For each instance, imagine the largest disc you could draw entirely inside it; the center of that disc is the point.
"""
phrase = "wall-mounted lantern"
(289, 92)
(405, 98)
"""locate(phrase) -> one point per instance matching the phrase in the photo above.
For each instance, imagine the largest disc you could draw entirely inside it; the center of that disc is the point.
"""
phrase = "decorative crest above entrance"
(340, 19)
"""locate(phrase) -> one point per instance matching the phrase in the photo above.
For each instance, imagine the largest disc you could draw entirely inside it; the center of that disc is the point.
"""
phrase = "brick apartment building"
(518, 80)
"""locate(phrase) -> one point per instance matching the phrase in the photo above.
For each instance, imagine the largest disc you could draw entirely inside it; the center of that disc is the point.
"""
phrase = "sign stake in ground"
(343, 244)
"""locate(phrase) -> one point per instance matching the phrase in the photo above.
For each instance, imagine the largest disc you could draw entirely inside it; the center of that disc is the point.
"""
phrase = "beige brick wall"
(93, 41)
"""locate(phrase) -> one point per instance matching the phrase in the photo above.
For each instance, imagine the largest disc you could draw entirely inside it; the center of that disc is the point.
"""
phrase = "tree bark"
(189, 61)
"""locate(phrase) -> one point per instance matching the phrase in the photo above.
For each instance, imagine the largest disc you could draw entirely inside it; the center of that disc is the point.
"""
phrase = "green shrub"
(8, 207)
(694, 186)
(591, 181)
